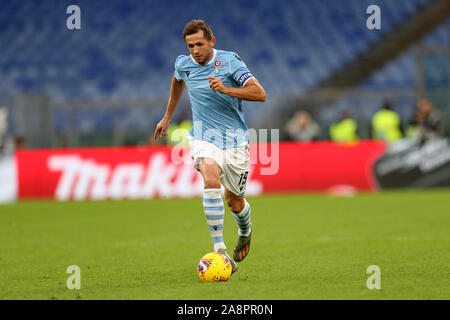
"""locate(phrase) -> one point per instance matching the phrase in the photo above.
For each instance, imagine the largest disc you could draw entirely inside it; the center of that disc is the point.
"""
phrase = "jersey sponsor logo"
(187, 74)
(243, 78)
(237, 57)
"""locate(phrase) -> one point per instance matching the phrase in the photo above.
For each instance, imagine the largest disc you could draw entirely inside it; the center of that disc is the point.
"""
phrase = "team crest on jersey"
(217, 65)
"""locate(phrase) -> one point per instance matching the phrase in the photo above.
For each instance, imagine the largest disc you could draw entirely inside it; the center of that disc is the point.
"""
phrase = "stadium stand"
(126, 49)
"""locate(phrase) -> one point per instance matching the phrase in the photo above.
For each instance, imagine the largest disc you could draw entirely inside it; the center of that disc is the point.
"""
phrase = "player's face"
(199, 47)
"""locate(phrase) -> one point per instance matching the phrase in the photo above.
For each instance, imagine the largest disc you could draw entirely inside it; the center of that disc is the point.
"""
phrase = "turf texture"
(309, 246)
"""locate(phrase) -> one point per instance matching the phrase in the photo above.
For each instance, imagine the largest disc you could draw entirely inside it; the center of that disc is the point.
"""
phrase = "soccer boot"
(234, 266)
(242, 246)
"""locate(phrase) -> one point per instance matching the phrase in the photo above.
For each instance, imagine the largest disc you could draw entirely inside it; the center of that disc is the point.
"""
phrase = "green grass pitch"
(304, 247)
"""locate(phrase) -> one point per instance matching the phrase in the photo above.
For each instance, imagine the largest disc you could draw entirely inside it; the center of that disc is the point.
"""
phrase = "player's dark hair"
(195, 26)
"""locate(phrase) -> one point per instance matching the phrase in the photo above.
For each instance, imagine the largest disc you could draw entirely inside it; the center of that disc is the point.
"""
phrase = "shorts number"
(243, 179)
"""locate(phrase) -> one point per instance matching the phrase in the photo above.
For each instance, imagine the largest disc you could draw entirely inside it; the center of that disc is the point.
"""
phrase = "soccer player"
(217, 82)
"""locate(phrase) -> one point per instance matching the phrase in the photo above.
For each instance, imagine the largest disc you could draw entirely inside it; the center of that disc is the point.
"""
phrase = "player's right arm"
(176, 90)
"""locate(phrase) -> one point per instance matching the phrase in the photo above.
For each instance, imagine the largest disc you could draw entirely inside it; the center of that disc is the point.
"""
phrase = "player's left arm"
(252, 89)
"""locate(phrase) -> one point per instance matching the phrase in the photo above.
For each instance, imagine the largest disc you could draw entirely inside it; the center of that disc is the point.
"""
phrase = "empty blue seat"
(127, 48)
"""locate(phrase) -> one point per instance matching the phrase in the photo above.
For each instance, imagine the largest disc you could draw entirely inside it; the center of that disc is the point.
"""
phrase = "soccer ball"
(214, 267)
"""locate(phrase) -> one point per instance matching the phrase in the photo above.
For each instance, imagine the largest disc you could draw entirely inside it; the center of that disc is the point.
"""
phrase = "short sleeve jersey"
(217, 117)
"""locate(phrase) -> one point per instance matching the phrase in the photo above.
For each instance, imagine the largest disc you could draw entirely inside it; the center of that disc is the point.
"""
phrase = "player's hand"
(216, 84)
(161, 128)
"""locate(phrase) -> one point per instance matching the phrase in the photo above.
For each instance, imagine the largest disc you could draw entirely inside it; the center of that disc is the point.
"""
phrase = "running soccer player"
(217, 82)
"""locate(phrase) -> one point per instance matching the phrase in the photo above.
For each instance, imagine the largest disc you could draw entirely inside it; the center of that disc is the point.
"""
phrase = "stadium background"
(108, 83)
(106, 86)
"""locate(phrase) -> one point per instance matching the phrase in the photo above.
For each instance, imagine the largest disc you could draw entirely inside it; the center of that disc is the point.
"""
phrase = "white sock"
(215, 213)
(243, 220)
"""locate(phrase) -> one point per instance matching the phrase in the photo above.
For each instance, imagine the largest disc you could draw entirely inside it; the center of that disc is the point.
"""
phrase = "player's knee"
(211, 182)
(235, 205)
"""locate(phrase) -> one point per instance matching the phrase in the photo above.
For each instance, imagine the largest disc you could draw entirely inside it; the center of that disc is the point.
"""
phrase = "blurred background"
(326, 74)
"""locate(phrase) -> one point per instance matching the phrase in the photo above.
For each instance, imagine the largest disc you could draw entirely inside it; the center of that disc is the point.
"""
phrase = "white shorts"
(233, 162)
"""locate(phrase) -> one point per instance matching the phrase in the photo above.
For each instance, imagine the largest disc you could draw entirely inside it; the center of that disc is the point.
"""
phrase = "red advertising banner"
(148, 172)
(320, 166)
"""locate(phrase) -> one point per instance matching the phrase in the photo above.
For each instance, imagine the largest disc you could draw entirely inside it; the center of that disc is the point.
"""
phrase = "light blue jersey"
(217, 117)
